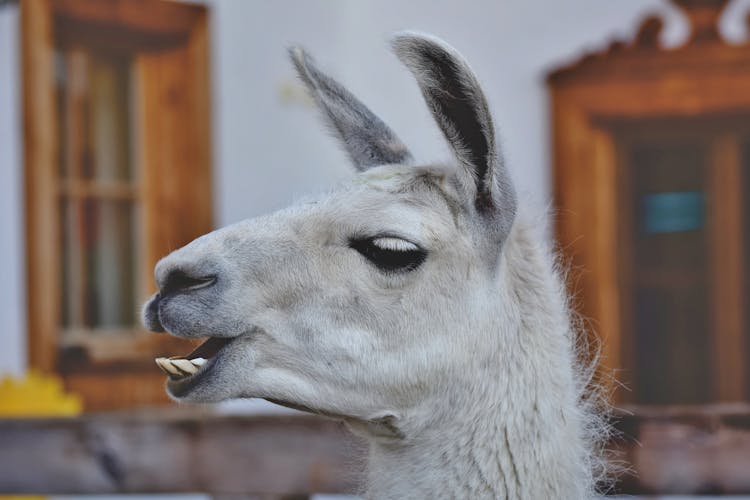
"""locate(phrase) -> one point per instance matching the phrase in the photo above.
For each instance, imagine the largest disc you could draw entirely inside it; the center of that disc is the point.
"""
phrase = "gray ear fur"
(458, 105)
(368, 141)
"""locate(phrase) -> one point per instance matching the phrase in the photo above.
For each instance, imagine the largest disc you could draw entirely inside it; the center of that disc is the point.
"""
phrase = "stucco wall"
(269, 149)
(12, 291)
(269, 146)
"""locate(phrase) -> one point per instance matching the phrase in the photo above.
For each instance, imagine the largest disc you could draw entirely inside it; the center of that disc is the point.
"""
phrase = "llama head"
(362, 303)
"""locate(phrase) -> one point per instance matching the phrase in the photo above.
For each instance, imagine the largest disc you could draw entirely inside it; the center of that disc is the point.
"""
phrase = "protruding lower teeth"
(166, 366)
(185, 365)
(180, 367)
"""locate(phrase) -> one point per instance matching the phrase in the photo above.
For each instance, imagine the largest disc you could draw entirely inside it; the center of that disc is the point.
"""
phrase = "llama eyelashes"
(394, 244)
(389, 253)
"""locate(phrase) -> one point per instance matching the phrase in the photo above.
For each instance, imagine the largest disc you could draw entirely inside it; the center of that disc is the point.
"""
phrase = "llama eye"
(390, 254)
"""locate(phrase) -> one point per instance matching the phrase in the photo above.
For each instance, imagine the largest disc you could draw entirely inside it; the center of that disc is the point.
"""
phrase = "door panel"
(669, 280)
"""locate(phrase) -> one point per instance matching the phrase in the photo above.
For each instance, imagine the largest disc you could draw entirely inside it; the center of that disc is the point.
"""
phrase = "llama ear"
(368, 141)
(458, 105)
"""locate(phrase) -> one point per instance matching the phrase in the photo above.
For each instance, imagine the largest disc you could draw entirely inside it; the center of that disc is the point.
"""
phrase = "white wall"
(12, 291)
(270, 149)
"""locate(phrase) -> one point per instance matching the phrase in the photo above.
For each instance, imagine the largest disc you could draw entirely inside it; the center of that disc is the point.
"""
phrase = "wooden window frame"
(169, 44)
(702, 80)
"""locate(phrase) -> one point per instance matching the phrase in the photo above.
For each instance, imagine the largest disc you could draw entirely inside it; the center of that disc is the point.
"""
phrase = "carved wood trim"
(644, 56)
(705, 79)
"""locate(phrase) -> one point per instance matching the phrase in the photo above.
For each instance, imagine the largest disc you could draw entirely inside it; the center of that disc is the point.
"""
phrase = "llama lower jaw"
(180, 368)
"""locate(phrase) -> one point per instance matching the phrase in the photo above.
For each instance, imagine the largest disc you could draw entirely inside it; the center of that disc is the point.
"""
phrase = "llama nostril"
(178, 281)
(150, 315)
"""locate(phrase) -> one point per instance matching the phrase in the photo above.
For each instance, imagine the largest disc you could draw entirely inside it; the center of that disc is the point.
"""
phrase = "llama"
(411, 302)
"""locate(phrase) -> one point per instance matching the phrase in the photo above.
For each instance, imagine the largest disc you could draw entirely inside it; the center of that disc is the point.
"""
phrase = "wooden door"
(682, 238)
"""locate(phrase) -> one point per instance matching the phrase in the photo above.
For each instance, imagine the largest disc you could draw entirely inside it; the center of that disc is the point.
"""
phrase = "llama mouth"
(179, 368)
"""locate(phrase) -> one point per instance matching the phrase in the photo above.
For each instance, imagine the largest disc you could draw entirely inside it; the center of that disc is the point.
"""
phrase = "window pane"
(94, 106)
(112, 261)
(98, 192)
(108, 117)
(98, 264)
(71, 292)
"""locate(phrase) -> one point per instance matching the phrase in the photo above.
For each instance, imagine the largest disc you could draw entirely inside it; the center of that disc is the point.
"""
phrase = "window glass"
(98, 192)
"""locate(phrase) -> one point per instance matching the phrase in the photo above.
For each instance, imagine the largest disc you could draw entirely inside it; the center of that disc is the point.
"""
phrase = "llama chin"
(417, 303)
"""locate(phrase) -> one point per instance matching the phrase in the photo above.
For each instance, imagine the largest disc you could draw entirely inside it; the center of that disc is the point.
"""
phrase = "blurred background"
(130, 127)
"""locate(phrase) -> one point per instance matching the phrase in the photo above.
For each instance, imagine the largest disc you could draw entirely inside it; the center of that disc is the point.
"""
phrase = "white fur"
(462, 373)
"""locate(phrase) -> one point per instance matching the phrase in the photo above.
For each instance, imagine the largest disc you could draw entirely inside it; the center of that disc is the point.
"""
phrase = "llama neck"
(512, 427)
(466, 462)
(480, 456)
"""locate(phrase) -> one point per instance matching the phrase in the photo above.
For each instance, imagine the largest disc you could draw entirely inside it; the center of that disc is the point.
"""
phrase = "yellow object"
(36, 395)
